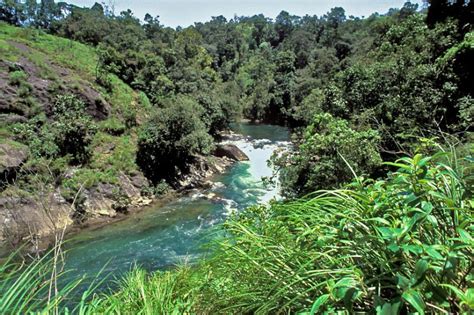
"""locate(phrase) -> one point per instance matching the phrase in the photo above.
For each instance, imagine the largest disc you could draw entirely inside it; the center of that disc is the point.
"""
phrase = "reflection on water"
(163, 236)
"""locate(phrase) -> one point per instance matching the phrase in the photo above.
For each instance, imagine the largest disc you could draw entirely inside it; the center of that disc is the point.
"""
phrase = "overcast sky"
(186, 12)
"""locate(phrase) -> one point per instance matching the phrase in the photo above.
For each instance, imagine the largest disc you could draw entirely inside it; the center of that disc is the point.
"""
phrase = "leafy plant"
(393, 246)
(30, 287)
(329, 154)
(17, 78)
(70, 133)
(171, 138)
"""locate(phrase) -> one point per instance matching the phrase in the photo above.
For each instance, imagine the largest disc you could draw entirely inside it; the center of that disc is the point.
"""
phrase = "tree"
(31, 8)
(72, 128)
(86, 25)
(68, 133)
(256, 81)
(335, 17)
(152, 27)
(12, 12)
(328, 152)
(284, 25)
(171, 138)
(48, 12)
(283, 97)
(440, 10)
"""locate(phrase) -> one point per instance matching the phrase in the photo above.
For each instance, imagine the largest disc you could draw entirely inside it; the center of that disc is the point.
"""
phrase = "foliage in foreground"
(392, 246)
(33, 288)
(398, 245)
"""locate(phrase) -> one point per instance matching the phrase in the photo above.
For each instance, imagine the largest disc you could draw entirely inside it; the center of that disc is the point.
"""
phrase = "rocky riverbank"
(33, 219)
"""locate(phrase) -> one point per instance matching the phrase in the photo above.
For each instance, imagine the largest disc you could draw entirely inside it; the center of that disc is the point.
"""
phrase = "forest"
(378, 186)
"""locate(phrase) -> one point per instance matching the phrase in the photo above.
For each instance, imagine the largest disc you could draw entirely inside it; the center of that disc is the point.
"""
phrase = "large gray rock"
(33, 219)
(12, 119)
(231, 151)
(12, 158)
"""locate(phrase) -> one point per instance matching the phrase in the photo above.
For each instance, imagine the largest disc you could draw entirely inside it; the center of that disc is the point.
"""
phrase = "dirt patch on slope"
(44, 88)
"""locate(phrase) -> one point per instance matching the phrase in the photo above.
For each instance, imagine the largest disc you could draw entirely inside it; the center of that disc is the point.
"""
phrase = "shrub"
(17, 78)
(169, 140)
(113, 126)
(327, 156)
(73, 128)
(70, 132)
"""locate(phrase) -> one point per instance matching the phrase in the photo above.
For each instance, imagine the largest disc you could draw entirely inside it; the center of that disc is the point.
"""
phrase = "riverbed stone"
(230, 151)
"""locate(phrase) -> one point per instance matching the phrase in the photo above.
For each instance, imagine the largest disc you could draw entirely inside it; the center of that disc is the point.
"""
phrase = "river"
(163, 236)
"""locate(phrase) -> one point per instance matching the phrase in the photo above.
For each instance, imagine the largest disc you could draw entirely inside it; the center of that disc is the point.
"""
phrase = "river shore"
(36, 224)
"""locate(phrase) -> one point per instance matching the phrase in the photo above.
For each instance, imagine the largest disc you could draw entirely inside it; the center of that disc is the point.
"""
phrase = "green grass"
(397, 245)
(86, 178)
(7, 51)
(127, 106)
(79, 58)
(32, 287)
(112, 156)
(118, 153)
(402, 244)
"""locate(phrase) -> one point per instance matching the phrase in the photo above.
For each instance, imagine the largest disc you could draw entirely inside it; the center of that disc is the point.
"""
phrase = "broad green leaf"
(421, 268)
(469, 298)
(393, 247)
(399, 165)
(427, 207)
(389, 308)
(417, 159)
(415, 249)
(402, 281)
(385, 232)
(464, 236)
(415, 299)
(423, 161)
(433, 253)
(345, 282)
(318, 303)
(432, 219)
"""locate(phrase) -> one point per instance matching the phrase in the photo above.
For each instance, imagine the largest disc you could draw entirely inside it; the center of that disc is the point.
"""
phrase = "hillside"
(44, 189)
(35, 69)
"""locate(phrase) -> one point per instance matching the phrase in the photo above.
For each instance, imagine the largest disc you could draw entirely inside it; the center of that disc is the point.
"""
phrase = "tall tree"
(11, 11)
(48, 11)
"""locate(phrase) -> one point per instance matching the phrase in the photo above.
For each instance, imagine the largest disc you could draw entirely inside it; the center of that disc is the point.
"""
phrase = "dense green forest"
(353, 234)
(384, 80)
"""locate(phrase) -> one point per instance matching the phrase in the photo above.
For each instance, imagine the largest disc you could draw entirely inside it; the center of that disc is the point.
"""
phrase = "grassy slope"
(81, 60)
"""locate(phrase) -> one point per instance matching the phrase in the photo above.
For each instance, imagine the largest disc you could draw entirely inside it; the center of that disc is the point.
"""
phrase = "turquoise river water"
(162, 236)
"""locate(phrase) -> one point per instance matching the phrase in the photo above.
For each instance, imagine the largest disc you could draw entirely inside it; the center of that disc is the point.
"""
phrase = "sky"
(185, 12)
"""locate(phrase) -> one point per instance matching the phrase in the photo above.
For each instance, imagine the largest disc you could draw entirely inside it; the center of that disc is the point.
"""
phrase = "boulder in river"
(231, 151)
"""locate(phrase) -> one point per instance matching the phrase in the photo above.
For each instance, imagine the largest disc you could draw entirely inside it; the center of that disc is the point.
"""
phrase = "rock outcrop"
(107, 200)
(230, 151)
(12, 157)
(34, 218)
(43, 90)
(199, 171)
(29, 219)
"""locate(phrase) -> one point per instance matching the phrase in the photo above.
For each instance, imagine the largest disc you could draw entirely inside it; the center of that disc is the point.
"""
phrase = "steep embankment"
(40, 193)
(34, 69)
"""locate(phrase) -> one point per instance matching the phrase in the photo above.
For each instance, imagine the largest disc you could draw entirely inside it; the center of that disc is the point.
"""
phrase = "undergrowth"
(397, 245)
